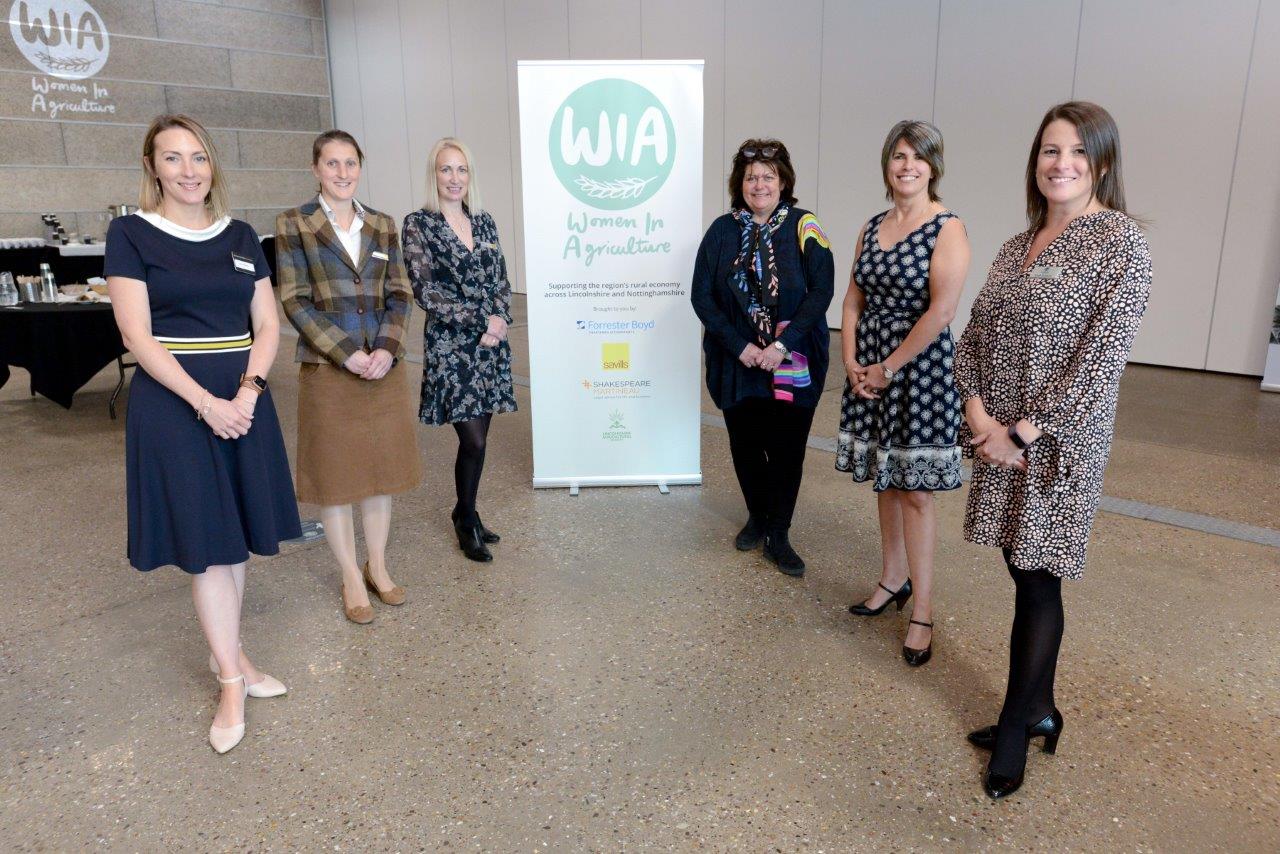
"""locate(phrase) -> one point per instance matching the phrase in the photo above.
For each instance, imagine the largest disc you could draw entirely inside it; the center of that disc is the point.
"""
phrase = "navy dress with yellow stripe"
(195, 500)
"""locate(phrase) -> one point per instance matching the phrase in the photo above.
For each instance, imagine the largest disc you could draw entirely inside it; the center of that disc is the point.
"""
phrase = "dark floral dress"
(459, 289)
(906, 439)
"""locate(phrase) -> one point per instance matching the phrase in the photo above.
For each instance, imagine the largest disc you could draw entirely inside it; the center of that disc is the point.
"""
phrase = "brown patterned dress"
(1049, 344)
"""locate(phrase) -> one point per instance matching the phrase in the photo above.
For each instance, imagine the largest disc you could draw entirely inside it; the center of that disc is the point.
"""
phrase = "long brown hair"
(779, 162)
(151, 197)
(1101, 140)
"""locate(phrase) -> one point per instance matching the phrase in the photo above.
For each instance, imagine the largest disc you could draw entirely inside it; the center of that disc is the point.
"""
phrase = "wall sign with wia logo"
(63, 38)
(611, 166)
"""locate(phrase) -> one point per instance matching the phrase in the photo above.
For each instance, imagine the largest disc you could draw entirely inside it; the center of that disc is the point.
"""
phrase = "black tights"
(467, 468)
(1033, 658)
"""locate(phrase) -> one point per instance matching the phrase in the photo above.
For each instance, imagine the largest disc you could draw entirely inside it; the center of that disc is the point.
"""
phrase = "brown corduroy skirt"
(356, 438)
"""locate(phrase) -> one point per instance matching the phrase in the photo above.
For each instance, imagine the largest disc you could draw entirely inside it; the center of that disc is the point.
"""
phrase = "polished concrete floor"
(621, 678)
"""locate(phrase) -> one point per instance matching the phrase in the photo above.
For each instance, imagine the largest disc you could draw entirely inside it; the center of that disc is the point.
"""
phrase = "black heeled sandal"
(917, 657)
(900, 596)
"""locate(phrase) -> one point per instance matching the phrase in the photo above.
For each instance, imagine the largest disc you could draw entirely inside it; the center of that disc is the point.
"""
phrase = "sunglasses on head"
(767, 152)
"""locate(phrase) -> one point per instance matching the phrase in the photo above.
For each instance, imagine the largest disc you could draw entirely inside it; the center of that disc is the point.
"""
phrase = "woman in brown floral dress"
(1038, 368)
(459, 277)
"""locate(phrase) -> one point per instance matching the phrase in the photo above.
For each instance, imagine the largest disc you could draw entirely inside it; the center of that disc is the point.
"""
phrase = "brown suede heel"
(394, 596)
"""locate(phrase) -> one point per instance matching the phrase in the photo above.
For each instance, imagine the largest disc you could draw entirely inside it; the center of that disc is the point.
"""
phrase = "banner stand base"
(575, 485)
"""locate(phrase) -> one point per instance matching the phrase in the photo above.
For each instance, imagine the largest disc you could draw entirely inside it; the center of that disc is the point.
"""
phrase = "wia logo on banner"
(612, 144)
(64, 38)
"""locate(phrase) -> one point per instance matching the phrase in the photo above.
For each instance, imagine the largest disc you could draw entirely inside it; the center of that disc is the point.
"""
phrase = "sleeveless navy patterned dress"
(907, 438)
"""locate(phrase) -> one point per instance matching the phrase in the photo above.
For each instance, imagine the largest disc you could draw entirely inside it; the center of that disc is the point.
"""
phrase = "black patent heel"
(900, 596)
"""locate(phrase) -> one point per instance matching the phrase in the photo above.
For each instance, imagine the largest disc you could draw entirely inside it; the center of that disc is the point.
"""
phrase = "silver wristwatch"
(888, 374)
(781, 348)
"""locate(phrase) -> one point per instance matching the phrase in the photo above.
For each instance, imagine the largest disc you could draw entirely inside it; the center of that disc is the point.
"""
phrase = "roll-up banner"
(611, 166)
(1271, 373)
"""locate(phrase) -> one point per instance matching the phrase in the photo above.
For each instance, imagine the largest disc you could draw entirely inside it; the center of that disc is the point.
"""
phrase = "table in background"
(71, 264)
(63, 346)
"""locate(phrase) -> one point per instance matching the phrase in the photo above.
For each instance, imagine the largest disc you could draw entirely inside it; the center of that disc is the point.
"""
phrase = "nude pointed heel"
(222, 739)
(265, 688)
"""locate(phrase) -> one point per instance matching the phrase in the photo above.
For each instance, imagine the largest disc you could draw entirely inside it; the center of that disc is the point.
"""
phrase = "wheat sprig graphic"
(624, 188)
(75, 63)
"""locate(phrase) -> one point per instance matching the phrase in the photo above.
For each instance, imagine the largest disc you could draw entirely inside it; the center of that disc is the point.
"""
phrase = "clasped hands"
(231, 419)
(867, 381)
(369, 366)
(496, 333)
(992, 445)
(765, 358)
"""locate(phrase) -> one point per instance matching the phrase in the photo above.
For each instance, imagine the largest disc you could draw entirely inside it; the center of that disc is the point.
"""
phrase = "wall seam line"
(404, 103)
(822, 43)
(1231, 185)
(1075, 59)
(453, 81)
(937, 51)
(517, 204)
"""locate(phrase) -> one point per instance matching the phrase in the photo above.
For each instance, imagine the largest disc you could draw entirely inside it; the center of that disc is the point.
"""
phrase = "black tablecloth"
(63, 346)
(67, 269)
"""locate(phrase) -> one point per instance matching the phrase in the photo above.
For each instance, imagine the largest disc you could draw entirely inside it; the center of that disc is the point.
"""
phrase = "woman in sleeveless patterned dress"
(900, 413)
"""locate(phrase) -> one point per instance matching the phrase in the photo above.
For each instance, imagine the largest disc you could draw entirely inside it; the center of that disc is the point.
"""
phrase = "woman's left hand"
(994, 447)
(497, 327)
(770, 358)
(379, 363)
(245, 401)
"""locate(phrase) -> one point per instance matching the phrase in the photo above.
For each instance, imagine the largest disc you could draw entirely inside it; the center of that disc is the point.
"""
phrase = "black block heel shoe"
(901, 597)
(486, 535)
(917, 657)
(999, 786)
(471, 541)
(1050, 727)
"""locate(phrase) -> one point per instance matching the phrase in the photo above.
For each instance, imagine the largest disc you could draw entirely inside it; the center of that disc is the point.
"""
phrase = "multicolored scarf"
(755, 272)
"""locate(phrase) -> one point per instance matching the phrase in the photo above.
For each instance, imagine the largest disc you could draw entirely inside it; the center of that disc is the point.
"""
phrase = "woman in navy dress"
(901, 413)
(207, 478)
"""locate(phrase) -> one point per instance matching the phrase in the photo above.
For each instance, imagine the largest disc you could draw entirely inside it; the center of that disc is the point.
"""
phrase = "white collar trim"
(181, 231)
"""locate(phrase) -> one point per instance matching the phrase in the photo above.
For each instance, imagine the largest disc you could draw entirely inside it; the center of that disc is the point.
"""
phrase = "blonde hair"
(151, 197)
(433, 192)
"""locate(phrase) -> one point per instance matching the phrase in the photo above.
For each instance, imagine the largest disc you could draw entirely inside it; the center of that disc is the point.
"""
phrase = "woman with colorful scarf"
(762, 282)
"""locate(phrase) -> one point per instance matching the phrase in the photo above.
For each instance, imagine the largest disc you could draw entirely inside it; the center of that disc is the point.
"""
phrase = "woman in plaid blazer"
(344, 287)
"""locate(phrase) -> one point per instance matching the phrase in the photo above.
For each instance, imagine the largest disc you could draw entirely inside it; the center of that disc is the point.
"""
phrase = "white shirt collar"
(333, 218)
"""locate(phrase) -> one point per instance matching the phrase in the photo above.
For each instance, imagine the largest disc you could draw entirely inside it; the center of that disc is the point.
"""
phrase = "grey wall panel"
(536, 29)
(994, 84)
(1250, 269)
(604, 29)
(772, 74)
(478, 39)
(382, 87)
(694, 29)
(428, 89)
(859, 106)
(1179, 116)
(344, 68)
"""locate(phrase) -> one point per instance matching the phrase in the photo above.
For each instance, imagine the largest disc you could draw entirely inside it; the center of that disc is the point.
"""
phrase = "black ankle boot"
(750, 535)
(777, 548)
(471, 541)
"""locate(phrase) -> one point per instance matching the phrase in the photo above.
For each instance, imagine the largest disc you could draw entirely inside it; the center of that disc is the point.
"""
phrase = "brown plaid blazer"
(339, 307)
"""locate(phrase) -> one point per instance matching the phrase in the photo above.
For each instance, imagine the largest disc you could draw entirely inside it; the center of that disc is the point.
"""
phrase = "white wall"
(1194, 86)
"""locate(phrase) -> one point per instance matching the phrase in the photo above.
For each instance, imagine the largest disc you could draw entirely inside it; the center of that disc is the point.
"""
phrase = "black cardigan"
(805, 288)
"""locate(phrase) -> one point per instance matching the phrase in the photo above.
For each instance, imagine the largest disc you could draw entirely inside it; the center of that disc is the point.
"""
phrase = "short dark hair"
(779, 161)
(334, 136)
(1101, 140)
(926, 141)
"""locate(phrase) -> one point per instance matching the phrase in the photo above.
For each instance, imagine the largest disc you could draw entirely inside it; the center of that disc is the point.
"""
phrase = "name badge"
(381, 256)
(1046, 272)
(243, 264)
